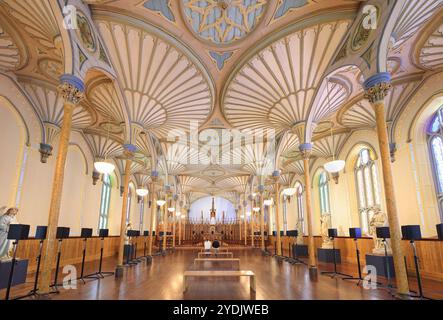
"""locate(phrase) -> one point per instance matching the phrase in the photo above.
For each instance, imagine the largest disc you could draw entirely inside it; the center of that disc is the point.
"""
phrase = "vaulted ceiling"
(216, 64)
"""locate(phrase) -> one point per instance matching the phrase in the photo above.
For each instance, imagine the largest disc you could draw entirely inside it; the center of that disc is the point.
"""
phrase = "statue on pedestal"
(325, 220)
(299, 228)
(378, 219)
(5, 221)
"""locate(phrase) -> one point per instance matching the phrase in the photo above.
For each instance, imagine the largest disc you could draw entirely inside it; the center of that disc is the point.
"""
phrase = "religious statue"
(128, 227)
(325, 220)
(5, 220)
(299, 227)
(378, 219)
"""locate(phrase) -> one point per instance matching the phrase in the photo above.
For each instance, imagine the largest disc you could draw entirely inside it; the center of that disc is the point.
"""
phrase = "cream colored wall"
(21, 133)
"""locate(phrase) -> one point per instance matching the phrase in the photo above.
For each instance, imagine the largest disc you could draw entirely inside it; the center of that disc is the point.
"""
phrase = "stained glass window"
(436, 147)
(368, 190)
(323, 187)
(104, 202)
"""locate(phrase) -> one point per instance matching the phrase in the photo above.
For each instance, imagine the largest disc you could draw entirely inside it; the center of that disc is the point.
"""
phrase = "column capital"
(129, 150)
(377, 87)
(71, 88)
(305, 149)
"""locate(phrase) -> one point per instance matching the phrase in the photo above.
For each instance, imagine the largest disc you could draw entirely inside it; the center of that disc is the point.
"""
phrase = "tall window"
(300, 212)
(436, 146)
(142, 211)
(367, 187)
(104, 202)
(323, 187)
(285, 220)
(128, 206)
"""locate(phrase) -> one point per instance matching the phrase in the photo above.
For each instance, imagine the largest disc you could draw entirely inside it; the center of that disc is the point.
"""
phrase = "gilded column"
(252, 221)
(72, 90)
(128, 153)
(245, 222)
(261, 189)
(276, 178)
(376, 88)
(306, 150)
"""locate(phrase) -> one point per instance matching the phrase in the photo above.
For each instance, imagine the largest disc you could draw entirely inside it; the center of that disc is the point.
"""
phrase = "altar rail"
(430, 252)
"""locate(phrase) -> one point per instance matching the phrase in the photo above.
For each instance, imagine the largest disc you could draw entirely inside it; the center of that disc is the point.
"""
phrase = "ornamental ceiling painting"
(153, 66)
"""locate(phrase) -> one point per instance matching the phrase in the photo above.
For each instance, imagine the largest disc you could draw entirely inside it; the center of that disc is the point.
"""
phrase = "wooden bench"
(220, 273)
(213, 254)
(218, 260)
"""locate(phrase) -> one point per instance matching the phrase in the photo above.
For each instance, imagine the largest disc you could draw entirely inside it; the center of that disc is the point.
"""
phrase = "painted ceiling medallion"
(84, 32)
(223, 21)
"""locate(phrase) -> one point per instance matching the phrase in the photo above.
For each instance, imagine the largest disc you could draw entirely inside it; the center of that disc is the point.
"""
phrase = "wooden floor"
(162, 279)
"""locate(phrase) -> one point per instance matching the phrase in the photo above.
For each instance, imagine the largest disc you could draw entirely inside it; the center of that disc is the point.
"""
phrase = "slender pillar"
(245, 223)
(153, 197)
(276, 177)
(174, 221)
(261, 188)
(180, 229)
(306, 150)
(129, 152)
(252, 222)
(71, 89)
(165, 222)
(377, 87)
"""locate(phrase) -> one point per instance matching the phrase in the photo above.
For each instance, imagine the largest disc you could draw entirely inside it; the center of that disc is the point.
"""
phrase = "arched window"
(104, 202)
(323, 187)
(142, 211)
(368, 191)
(435, 134)
(128, 206)
(300, 211)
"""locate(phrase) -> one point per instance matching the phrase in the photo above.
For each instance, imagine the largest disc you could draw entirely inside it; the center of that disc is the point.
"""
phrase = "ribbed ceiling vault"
(163, 88)
(276, 88)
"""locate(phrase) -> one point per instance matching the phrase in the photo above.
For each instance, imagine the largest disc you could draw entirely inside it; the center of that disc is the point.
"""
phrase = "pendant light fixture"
(333, 166)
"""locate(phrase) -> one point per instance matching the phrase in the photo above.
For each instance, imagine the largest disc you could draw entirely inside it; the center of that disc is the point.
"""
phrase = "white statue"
(5, 221)
(128, 227)
(325, 221)
(378, 219)
(299, 228)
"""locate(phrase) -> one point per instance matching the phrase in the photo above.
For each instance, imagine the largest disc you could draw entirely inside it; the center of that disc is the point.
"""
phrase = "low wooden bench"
(220, 273)
(218, 260)
(213, 254)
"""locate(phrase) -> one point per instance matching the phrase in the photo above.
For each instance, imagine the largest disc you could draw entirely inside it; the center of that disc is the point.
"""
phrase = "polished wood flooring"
(162, 279)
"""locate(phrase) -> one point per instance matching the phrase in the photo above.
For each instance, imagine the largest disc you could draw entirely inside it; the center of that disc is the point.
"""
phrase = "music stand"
(136, 235)
(356, 234)
(62, 233)
(332, 233)
(102, 233)
(16, 232)
(412, 233)
(85, 233)
(40, 234)
(145, 234)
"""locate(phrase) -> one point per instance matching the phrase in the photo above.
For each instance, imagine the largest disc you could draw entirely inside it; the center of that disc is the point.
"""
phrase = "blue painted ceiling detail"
(223, 21)
(287, 5)
(220, 58)
(161, 6)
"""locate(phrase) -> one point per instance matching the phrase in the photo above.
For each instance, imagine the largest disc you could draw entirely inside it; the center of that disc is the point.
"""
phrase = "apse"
(205, 204)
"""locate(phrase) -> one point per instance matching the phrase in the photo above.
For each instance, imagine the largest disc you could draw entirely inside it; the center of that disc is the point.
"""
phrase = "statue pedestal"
(300, 250)
(20, 271)
(327, 255)
(379, 262)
